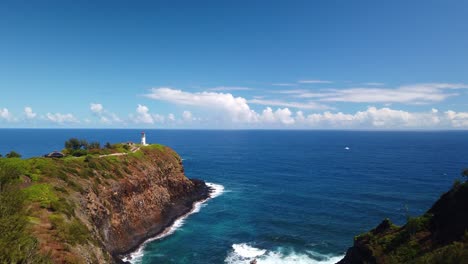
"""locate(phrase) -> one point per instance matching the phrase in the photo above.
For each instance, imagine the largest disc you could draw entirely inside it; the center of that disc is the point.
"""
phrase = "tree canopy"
(13, 154)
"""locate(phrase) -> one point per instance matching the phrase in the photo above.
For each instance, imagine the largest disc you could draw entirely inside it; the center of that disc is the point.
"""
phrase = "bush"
(13, 154)
(73, 232)
(16, 245)
(94, 145)
(79, 152)
(42, 193)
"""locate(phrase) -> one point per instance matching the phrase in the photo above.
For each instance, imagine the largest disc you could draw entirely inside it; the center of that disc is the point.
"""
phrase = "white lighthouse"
(143, 139)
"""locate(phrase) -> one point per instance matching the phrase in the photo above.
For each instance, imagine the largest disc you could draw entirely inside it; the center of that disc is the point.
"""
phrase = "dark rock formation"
(439, 236)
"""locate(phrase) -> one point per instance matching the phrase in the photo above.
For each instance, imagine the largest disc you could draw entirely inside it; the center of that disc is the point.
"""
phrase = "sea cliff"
(438, 236)
(94, 209)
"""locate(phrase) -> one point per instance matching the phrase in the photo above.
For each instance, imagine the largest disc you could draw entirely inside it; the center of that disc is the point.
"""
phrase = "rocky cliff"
(93, 209)
(439, 236)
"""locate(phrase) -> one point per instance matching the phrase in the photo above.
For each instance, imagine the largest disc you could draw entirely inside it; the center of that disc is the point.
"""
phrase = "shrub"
(42, 193)
(13, 154)
(73, 232)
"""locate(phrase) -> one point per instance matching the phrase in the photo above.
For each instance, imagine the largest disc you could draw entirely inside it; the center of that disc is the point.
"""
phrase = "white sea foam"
(247, 251)
(137, 255)
(244, 254)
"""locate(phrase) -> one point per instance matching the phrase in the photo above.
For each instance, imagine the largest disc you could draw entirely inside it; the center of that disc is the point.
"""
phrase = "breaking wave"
(244, 254)
(137, 255)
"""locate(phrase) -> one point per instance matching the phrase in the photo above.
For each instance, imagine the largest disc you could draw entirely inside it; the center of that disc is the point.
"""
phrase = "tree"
(94, 145)
(13, 154)
(465, 173)
(73, 144)
(84, 144)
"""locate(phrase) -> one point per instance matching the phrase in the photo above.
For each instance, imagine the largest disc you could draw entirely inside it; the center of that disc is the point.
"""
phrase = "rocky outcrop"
(439, 236)
(150, 193)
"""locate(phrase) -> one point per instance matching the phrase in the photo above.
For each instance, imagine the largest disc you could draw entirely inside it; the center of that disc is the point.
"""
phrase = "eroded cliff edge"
(151, 193)
(438, 236)
(95, 208)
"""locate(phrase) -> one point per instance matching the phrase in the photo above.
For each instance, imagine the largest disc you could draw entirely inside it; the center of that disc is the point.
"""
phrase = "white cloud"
(374, 83)
(5, 114)
(228, 88)
(293, 91)
(384, 118)
(96, 108)
(457, 120)
(284, 84)
(61, 118)
(158, 118)
(409, 94)
(314, 81)
(171, 117)
(236, 108)
(187, 116)
(283, 116)
(29, 113)
(308, 105)
(105, 116)
(143, 115)
(238, 111)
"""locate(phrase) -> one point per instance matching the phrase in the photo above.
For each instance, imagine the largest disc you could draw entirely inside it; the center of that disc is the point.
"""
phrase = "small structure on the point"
(55, 154)
(143, 139)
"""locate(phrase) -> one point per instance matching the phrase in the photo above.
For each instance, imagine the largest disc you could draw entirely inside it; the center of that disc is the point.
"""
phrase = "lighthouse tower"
(143, 139)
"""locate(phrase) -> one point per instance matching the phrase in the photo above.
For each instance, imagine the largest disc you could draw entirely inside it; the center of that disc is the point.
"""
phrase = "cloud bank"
(238, 110)
(409, 94)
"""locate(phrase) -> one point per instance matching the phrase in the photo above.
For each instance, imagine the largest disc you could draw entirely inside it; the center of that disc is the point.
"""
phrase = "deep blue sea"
(289, 196)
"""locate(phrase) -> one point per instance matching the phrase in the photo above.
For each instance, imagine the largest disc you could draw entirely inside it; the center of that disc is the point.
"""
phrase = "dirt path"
(132, 150)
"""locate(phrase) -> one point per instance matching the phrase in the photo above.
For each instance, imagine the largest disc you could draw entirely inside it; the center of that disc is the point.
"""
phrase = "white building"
(143, 139)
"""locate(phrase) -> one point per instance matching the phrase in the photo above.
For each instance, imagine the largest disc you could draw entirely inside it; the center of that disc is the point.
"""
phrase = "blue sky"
(234, 64)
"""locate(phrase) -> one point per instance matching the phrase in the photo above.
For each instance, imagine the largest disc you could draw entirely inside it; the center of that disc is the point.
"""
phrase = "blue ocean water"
(289, 196)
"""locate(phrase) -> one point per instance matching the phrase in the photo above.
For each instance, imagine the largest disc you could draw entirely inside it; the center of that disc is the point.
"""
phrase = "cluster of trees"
(80, 147)
(12, 154)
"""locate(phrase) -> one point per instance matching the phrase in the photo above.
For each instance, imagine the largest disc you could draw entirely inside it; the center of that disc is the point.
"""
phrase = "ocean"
(284, 196)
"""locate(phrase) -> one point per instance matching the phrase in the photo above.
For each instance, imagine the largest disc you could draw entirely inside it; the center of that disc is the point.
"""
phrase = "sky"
(383, 65)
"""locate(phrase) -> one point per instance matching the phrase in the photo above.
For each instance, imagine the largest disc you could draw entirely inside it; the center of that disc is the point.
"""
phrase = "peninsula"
(93, 205)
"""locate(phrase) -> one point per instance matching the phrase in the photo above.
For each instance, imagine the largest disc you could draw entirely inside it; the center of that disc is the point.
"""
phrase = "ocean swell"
(137, 255)
(244, 253)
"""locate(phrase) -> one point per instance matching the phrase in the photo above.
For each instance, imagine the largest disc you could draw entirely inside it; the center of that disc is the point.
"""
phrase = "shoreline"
(136, 252)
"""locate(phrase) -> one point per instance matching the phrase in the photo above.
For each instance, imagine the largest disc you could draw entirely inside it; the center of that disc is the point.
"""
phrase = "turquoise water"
(289, 196)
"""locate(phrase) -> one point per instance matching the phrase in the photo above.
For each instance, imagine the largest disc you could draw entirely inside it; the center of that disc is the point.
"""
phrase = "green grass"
(42, 193)
(72, 231)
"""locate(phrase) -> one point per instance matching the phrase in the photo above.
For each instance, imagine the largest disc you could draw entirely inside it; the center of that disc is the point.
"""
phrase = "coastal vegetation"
(438, 236)
(70, 209)
(80, 147)
(11, 154)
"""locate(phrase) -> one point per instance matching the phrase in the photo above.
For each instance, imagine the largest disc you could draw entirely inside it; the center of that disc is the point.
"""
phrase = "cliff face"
(439, 236)
(152, 192)
(93, 209)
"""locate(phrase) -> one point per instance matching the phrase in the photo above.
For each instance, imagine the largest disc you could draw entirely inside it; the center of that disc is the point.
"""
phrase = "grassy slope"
(47, 196)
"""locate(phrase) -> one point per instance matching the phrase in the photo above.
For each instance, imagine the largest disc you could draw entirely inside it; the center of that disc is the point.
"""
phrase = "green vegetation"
(39, 198)
(16, 245)
(73, 231)
(465, 174)
(80, 147)
(438, 236)
(41, 193)
(13, 154)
